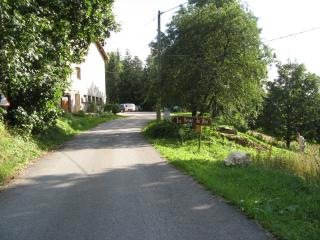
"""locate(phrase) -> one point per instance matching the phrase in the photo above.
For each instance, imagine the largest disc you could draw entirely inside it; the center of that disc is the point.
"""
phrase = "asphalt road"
(109, 183)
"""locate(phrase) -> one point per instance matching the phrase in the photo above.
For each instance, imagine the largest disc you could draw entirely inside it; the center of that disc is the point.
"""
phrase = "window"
(78, 71)
(89, 99)
(84, 99)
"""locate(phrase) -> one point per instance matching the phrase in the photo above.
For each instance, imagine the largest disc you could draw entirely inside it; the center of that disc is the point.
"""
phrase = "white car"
(127, 107)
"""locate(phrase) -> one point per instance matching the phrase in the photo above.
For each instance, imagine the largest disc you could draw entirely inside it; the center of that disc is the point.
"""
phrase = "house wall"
(89, 85)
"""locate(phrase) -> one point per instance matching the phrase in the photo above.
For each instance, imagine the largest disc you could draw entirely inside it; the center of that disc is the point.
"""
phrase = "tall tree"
(292, 103)
(131, 84)
(150, 84)
(218, 3)
(129, 81)
(113, 72)
(213, 60)
(39, 40)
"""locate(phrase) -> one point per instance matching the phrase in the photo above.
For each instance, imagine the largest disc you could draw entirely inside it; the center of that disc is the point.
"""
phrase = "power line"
(271, 40)
(293, 34)
(174, 8)
(168, 10)
(150, 21)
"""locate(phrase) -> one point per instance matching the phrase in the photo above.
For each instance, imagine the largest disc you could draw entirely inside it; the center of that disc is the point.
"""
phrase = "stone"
(302, 142)
(227, 130)
(237, 158)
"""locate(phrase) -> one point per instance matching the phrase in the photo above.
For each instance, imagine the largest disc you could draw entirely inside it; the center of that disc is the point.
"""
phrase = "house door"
(77, 102)
(66, 103)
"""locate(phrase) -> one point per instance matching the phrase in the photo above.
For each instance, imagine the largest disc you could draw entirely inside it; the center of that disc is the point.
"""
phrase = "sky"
(276, 18)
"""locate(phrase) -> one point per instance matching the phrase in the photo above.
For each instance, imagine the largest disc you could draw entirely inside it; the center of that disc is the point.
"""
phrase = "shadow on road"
(123, 133)
(118, 194)
(152, 201)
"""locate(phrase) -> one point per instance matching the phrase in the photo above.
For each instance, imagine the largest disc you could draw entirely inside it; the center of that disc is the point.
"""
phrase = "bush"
(294, 146)
(115, 108)
(163, 129)
(108, 107)
(3, 113)
(81, 113)
(23, 120)
(105, 114)
(175, 109)
(34, 122)
(234, 120)
(92, 108)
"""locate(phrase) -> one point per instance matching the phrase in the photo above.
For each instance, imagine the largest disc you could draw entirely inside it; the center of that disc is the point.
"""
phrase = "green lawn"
(284, 203)
(16, 151)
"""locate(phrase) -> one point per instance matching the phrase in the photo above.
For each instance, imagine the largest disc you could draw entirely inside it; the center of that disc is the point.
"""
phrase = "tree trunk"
(194, 114)
(288, 124)
(288, 139)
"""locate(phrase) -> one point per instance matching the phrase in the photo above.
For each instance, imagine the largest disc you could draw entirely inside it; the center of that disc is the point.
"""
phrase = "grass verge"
(284, 203)
(17, 150)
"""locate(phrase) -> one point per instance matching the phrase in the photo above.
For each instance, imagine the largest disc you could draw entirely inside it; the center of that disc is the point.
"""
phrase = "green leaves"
(39, 40)
(292, 103)
(129, 81)
(214, 59)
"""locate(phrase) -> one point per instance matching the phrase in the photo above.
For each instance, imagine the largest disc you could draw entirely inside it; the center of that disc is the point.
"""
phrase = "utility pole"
(158, 104)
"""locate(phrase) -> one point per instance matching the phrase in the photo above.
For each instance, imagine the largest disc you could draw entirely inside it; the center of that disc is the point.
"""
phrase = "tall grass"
(15, 150)
(305, 165)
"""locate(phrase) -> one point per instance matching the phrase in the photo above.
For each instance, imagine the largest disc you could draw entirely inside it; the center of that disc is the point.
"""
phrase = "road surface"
(109, 183)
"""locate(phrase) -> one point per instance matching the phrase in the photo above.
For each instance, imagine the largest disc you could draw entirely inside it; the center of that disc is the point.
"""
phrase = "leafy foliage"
(3, 113)
(213, 60)
(115, 108)
(113, 71)
(163, 129)
(92, 107)
(218, 3)
(107, 107)
(39, 40)
(131, 87)
(127, 80)
(292, 104)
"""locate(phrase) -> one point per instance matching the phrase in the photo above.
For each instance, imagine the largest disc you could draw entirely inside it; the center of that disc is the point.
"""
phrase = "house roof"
(102, 51)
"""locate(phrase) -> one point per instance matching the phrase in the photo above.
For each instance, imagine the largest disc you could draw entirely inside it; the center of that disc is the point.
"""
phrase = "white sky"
(276, 18)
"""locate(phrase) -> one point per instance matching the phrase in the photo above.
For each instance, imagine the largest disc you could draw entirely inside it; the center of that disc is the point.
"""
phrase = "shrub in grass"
(162, 129)
(105, 114)
(3, 113)
(92, 108)
(81, 113)
(115, 108)
(108, 107)
(23, 120)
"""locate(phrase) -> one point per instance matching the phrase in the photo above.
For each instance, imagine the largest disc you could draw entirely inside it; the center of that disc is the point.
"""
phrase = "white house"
(87, 81)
